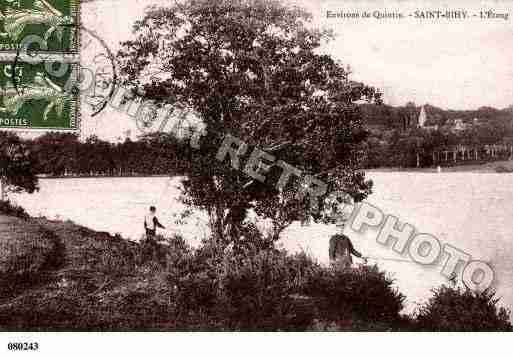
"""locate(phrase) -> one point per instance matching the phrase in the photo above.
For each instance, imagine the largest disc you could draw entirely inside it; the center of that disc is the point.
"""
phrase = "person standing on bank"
(151, 223)
(341, 251)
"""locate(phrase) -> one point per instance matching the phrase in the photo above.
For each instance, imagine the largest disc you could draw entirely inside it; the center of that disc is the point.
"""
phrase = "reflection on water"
(470, 211)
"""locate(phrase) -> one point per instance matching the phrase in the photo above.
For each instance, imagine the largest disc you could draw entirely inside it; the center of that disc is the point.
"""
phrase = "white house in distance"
(459, 125)
(423, 119)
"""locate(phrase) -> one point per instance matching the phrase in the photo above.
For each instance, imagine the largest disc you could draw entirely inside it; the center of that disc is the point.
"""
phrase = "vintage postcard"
(256, 166)
(55, 22)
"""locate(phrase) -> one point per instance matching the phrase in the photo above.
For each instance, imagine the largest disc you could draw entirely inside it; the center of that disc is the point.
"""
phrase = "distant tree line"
(58, 154)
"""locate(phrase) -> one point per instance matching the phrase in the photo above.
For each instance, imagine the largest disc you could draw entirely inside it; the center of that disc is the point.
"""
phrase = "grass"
(61, 276)
(27, 252)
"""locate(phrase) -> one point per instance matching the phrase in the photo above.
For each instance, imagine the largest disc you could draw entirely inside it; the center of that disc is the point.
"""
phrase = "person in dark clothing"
(340, 251)
(151, 223)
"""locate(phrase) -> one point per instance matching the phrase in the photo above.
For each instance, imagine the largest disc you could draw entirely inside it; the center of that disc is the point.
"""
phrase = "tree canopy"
(251, 69)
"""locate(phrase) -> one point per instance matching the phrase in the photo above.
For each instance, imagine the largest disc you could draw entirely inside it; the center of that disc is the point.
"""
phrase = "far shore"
(488, 167)
(42, 176)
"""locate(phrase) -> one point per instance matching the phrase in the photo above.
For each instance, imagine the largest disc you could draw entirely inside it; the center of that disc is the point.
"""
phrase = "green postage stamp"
(35, 96)
(38, 95)
(56, 22)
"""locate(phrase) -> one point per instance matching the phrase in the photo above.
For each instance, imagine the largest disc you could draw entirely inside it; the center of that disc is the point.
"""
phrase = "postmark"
(55, 21)
(39, 96)
(99, 79)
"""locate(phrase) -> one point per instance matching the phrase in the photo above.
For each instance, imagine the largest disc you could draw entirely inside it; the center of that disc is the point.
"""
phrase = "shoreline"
(488, 167)
(135, 176)
(498, 167)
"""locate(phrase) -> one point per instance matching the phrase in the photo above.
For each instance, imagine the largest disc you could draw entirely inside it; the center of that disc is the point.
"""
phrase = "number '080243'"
(22, 346)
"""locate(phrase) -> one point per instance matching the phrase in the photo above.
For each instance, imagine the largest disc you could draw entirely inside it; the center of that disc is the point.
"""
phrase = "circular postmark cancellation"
(98, 72)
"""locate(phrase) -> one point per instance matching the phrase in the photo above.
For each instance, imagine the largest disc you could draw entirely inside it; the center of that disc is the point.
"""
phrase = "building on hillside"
(423, 118)
(459, 125)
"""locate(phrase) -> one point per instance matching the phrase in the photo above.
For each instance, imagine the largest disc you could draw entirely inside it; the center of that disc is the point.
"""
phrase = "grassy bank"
(61, 276)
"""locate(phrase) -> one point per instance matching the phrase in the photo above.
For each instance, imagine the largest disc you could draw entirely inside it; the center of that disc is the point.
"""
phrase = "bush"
(256, 293)
(249, 291)
(365, 294)
(455, 309)
(303, 267)
(17, 164)
(270, 290)
(9, 209)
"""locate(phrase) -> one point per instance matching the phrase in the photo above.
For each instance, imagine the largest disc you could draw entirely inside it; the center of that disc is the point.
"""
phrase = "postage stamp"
(39, 96)
(55, 21)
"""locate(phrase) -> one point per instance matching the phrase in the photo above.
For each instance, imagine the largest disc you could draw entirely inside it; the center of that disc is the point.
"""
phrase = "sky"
(452, 64)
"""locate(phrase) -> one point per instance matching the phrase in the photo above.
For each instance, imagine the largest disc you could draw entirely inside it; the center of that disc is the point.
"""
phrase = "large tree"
(252, 69)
